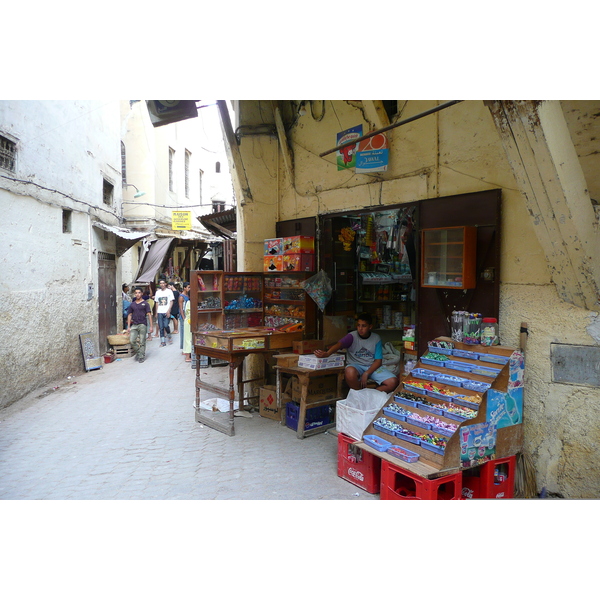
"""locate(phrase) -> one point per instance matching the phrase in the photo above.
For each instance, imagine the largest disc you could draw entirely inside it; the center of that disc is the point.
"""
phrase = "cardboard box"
(307, 346)
(272, 264)
(319, 388)
(298, 262)
(268, 403)
(287, 360)
(299, 244)
(273, 247)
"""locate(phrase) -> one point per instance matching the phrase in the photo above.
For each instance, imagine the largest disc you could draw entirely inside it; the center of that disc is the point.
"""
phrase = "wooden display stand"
(508, 441)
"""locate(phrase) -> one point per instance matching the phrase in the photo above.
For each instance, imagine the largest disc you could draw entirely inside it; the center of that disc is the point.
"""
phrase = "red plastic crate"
(400, 484)
(357, 466)
(471, 483)
(498, 478)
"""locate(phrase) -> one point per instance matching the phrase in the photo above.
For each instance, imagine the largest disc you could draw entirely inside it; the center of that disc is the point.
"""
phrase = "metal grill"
(8, 154)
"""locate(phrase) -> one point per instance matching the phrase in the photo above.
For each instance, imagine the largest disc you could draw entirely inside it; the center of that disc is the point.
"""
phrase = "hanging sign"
(372, 154)
(181, 220)
(346, 157)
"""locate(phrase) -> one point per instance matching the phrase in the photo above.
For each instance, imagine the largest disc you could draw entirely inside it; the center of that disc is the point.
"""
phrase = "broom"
(525, 482)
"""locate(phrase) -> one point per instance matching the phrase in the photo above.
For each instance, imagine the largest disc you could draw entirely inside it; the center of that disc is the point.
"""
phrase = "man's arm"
(332, 350)
(149, 313)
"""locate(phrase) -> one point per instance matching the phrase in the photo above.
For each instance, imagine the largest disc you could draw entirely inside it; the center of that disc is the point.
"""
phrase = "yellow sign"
(181, 219)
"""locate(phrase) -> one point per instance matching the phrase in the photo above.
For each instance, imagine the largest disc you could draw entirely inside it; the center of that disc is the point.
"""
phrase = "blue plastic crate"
(486, 371)
(454, 417)
(414, 390)
(450, 380)
(465, 354)
(439, 396)
(447, 351)
(476, 386)
(394, 415)
(494, 358)
(434, 410)
(424, 374)
(459, 366)
(403, 454)
(433, 362)
(383, 429)
(409, 438)
(442, 431)
(417, 423)
(376, 442)
(405, 401)
(315, 417)
(432, 447)
(466, 403)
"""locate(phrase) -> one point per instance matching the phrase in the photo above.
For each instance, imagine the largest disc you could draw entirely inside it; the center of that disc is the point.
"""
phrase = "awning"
(125, 237)
(222, 224)
(153, 260)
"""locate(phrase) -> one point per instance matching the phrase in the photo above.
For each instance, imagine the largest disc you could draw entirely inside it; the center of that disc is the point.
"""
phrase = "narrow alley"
(127, 432)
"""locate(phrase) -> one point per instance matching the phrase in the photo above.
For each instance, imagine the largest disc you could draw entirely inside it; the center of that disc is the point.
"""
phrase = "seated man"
(364, 357)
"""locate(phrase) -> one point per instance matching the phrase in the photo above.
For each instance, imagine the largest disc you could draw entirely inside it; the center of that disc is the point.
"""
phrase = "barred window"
(8, 154)
(123, 163)
(107, 192)
(171, 174)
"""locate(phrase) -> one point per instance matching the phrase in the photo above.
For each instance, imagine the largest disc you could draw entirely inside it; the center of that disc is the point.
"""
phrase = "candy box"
(273, 247)
(299, 262)
(272, 264)
(403, 454)
(376, 442)
(299, 244)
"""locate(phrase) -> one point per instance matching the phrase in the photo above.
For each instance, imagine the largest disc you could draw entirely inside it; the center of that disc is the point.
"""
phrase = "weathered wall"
(455, 151)
(65, 148)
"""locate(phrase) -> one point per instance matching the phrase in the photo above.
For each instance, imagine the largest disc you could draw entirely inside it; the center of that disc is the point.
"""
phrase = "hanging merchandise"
(347, 235)
(318, 287)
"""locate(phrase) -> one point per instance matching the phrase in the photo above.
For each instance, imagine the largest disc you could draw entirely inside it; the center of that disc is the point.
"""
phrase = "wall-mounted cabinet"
(448, 257)
(243, 300)
(286, 302)
(206, 297)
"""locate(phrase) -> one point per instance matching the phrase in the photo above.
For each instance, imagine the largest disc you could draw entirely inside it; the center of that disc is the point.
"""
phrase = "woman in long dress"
(187, 335)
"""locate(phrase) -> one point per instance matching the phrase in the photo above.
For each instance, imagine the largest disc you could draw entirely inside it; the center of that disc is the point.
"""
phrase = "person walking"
(137, 314)
(183, 298)
(164, 303)
(175, 308)
(187, 341)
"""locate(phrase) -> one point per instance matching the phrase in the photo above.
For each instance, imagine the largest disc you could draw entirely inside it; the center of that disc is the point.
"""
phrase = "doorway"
(107, 299)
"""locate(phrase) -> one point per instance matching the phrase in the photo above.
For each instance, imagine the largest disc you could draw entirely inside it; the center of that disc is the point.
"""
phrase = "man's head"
(186, 287)
(364, 324)
(138, 292)
(125, 287)
(163, 284)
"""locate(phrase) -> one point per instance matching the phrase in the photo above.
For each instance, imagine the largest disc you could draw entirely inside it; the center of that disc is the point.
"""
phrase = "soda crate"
(123, 351)
(498, 478)
(400, 484)
(359, 467)
(315, 416)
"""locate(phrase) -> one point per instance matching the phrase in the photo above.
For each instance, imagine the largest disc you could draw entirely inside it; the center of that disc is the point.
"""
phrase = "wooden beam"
(285, 149)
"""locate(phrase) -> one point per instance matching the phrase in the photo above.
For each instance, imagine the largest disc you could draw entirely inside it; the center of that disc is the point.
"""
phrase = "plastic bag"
(354, 414)
(318, 287)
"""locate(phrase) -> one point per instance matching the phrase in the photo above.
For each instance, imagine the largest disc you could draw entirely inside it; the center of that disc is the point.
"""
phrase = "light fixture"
(138, 194)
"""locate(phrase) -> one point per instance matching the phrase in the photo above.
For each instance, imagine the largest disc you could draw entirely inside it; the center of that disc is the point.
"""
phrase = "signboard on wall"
(181, 220)
(346, 157)
(163, 112)
(372, 154)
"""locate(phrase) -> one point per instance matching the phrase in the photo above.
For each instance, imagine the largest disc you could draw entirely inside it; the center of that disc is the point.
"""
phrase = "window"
(391, 108)
(123, 164)
(200, 174)
(171, 159)
(8, 154)
(218, 206)
(218, 167)
(66, 220)
(107, 192)
(187, 173)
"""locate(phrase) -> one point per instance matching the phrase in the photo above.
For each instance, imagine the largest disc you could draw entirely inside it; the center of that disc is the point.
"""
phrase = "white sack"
(358, 410)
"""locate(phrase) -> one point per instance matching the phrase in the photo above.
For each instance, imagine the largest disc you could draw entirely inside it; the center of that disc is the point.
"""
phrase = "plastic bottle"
(489, 332)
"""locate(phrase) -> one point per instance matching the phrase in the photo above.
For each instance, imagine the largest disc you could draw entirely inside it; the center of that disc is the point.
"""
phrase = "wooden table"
(233, 347)
(304, 376)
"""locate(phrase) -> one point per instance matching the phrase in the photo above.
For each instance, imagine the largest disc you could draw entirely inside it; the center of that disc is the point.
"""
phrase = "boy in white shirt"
(164, 301)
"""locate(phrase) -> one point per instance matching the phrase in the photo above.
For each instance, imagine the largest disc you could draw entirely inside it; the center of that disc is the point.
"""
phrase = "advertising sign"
(372, 154)
(346, 157)
(181, 220)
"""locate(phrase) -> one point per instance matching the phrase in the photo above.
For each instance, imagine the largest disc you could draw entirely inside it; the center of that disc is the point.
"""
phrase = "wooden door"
(107, 299)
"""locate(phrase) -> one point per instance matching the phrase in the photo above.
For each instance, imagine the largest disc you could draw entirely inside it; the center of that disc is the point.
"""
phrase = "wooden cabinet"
(286, 302)
(243, 300)
(448, 257)
(206, 297)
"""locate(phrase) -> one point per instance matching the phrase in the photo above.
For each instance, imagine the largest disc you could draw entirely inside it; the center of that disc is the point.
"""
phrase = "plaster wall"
(64, 151)
(456, 151)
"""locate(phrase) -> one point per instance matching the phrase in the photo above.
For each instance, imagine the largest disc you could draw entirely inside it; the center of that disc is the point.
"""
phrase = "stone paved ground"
(127, 432)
